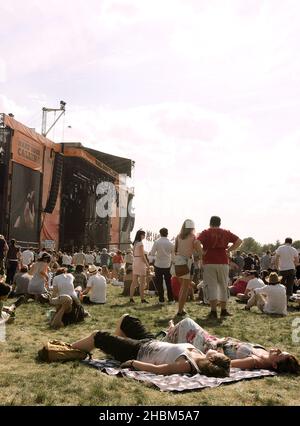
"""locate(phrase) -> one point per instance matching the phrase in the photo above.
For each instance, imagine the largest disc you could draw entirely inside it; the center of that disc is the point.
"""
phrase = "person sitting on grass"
(21, 282)
(253, 282)
(95, 292)
(243, 355)
(66, 301)
(7, 313)
(135, 348)
(240, 284)
(270, 299)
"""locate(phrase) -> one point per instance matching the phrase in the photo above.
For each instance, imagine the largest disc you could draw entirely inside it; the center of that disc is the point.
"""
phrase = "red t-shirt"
(240, 286)
(117, 258)
(215, 242)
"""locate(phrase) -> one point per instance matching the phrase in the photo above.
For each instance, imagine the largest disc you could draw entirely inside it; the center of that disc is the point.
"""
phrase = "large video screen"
(25, 204)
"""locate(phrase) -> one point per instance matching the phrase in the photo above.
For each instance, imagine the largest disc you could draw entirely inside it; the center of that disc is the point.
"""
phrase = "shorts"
(183, 260)
(215, 277)
(117, 266)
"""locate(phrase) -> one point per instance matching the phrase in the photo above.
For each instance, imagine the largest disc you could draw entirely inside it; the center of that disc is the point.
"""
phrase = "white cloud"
(2, 70)
(203, 95)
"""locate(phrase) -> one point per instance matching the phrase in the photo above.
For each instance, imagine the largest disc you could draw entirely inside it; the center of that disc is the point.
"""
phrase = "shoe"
(181, 314)
(212, 315)
(246, 308)
(225, 313)
(241, 301)
(131, 301)
(171, 302)
(161, 303)
(19, 301)
(144, 301)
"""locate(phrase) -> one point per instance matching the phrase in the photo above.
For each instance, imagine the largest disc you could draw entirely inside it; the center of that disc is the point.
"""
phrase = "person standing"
(66, 260)
(162, 250)
(265, 262)
(79, 258)
(104, 258)
(286, 260)
(239, 260)
(249, 262)
(117, 262)
(185, 246)
(215, 242)
(139, 267)
(3, 251)
(13, 258)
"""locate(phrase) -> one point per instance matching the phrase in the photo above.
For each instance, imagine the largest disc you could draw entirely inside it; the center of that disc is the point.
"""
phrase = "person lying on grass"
(243, 355)
(135, 348)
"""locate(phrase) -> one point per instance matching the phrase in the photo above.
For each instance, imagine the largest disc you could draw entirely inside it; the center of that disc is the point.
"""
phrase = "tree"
(296, 244)
(249, 245)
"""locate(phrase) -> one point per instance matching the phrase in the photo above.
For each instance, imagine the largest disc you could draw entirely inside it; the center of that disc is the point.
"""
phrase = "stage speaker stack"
(56, 178)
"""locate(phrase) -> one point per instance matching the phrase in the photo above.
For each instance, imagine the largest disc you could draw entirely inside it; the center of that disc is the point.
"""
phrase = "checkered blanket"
(175, 382)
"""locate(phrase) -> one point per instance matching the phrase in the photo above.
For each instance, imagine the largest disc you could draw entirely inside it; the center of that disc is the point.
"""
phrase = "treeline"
(251, 246)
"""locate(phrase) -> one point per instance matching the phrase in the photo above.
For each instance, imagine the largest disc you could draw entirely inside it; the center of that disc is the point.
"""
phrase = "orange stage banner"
(26, 151)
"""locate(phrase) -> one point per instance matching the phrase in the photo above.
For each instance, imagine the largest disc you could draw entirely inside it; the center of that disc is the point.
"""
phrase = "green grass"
(25, 381)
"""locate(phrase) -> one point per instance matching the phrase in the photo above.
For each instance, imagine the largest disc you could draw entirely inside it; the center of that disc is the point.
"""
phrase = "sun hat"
(104, 250)
(273, 278)
(93, 269)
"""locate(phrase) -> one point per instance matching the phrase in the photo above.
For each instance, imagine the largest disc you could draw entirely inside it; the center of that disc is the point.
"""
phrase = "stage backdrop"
(25, 204)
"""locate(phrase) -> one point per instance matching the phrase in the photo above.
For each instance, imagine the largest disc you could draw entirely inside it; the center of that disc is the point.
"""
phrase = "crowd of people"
(60, 279)
(207, 266)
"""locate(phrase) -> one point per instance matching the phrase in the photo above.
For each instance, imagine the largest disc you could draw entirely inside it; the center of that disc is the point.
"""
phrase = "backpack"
(55, 350)
(76, 315)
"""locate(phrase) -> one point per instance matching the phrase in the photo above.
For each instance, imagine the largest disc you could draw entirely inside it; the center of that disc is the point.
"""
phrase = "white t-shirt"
(64, 284)
(162, 250)
(254, 283)
(276, 299)
(287, 254)
(79, 259)
(156, 352)
(89, 259)
(66, 260)
(27, 257)
(97, 283)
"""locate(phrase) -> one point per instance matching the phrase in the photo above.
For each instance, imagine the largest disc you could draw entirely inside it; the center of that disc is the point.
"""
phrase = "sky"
(204, 96)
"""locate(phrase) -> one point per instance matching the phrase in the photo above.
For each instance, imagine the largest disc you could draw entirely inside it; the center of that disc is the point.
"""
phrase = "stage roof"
(119, 164)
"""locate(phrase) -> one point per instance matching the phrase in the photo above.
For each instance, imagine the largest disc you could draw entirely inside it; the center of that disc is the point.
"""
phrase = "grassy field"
(25, 381)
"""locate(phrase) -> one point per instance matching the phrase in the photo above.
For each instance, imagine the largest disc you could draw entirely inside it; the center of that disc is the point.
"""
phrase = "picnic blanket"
(175, 382)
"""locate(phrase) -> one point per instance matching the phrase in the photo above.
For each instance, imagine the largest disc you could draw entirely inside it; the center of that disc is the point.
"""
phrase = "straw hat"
(273, 278)
(93, 269)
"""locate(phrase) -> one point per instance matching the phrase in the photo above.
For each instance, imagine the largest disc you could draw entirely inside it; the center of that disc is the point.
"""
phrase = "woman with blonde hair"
(185, 245)
(139, 267)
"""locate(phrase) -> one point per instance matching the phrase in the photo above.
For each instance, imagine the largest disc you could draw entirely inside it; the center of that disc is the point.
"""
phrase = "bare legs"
(134, 284)
(87, 344)
(63, 305)
(184, 290)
